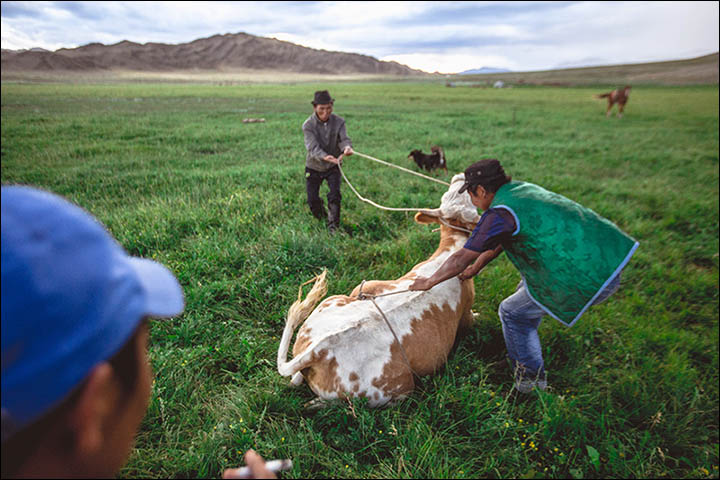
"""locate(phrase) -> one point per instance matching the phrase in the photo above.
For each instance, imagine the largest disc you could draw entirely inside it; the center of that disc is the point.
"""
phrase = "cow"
(429, 162)
(345, 348)
(619, 96)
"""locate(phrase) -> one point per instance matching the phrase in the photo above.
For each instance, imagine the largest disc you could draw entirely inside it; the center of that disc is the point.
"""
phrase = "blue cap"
(71, 298)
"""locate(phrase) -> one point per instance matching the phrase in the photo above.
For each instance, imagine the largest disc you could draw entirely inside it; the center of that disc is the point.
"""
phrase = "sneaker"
(526, 381)
(526, 385)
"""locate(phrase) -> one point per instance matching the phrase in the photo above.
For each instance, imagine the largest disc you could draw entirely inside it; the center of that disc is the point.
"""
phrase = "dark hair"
(492, 185)
(21, 445)
(487, 173)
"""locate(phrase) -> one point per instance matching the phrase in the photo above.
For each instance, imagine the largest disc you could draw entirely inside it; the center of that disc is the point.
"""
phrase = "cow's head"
(455, 208)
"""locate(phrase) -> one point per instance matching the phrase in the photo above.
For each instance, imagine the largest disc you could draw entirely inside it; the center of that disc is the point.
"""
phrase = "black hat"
(484, 172)
(322, 97)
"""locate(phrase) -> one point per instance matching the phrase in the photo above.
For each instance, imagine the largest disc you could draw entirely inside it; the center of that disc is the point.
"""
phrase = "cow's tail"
(603, 95)
(298, 312)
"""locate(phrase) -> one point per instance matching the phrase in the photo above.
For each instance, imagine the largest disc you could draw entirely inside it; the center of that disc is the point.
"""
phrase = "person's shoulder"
(496, 214)
(309, 122)
(337, 118)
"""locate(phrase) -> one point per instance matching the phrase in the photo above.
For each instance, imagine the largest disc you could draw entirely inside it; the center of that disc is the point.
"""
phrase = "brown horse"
(619, 96)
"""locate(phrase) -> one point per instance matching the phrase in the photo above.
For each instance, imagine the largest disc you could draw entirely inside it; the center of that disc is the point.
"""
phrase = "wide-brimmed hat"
(71, 298)
(322, 97)
(484, 172)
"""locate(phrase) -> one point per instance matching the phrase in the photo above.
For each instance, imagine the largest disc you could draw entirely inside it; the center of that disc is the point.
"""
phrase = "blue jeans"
(520, 317)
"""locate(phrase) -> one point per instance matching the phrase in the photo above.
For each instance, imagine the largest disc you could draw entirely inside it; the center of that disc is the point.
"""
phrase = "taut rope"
(401, 168)
(339, 164)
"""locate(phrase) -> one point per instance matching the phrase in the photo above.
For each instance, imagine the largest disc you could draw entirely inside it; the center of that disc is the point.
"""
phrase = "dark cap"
(484, 172)
(322, 97)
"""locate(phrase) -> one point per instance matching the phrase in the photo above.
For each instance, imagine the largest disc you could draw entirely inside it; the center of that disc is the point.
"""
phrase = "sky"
(447, 37)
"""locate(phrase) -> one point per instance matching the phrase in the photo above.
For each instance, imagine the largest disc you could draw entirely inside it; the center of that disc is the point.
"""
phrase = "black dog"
(430, 162)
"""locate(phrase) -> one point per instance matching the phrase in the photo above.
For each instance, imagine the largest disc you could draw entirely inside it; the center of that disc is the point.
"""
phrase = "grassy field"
(175, 175)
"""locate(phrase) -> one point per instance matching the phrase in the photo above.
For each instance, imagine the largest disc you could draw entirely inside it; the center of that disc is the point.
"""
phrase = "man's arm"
(455, 264)
(483, 259)
(344, 142)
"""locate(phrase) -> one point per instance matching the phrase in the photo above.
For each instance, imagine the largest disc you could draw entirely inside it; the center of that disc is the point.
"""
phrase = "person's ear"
(96, 405)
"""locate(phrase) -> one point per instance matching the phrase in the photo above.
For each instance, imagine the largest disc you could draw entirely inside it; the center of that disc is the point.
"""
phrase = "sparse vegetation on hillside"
(695, 71)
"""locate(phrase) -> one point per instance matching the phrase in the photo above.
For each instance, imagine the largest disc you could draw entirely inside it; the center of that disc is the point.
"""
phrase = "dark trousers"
(313, 180)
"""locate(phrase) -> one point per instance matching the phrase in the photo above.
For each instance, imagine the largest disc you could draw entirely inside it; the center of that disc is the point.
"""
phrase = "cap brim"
(464, 188)
(163, 294)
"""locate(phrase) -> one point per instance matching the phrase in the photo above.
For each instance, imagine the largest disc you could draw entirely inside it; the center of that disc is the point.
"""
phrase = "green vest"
(567, 254)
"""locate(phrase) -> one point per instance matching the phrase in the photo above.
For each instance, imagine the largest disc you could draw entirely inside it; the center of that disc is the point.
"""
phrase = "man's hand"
(348, 151)
(469, 272)
(331, 159)
(421, 283)
(482, 260)
(255, 463)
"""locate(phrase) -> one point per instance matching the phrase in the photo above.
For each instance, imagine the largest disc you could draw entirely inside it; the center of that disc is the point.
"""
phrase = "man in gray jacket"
(325, 140)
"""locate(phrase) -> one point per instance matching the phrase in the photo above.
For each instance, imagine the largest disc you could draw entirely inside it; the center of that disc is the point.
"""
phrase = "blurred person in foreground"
(326, 140)
(76, 379)
(569, 257)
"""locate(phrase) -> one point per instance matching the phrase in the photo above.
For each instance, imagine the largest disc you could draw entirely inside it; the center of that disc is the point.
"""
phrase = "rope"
(373, 203)
(339, 165)
(362, 296)
(401, 168)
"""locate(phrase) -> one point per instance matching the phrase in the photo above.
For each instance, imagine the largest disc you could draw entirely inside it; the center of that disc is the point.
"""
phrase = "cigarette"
(273, 465)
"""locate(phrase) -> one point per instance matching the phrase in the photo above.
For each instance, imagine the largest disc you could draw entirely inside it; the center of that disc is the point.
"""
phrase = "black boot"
(333, 217)
(318, 210)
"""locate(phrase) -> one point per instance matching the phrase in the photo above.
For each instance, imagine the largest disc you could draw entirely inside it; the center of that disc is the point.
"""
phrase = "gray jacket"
(322, 139)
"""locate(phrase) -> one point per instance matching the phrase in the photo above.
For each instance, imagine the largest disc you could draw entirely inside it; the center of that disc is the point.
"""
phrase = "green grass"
(175, 175)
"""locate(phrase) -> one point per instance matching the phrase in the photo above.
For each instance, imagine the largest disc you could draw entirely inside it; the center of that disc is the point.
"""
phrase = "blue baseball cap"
(71, 298)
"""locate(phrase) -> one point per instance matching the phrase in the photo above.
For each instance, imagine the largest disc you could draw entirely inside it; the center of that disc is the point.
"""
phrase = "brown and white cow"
(346, 349)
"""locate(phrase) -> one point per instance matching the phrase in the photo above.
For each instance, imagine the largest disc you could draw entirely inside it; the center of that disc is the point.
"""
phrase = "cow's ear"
(426, 217)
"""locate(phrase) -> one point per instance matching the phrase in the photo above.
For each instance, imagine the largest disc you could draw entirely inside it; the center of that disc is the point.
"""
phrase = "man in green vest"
(569, 257)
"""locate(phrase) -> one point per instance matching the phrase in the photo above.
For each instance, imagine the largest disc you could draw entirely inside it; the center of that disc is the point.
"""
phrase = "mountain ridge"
(221, 52)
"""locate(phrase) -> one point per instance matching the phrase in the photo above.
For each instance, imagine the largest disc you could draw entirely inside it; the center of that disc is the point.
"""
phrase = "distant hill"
(695, 71)
(484, 71)
(238, 51)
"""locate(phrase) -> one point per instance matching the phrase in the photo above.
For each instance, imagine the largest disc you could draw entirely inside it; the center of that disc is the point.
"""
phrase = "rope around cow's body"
(362, 296)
